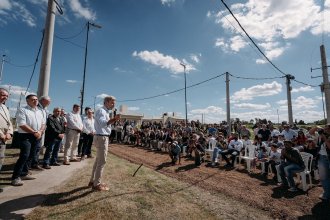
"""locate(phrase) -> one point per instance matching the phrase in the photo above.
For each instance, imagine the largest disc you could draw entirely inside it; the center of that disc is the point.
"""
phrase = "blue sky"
(138, 50)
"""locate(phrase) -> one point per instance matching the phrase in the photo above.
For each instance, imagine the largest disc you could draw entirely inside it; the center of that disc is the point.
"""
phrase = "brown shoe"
(46, 166)
(66, 163)
(101, 187)
(36, 167)
(90, 184)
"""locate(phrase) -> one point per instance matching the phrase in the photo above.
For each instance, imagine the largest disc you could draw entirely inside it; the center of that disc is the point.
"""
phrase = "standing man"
(44, 102)
(31, 126)
(73, 130)
(6, 127)
(54, 134)
(101, 141)
(88, 134)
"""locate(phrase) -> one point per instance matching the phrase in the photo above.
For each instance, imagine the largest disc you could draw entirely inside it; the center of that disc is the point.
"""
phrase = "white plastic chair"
(307, 158)
(209, 151)
(250, 154)
(268, 149)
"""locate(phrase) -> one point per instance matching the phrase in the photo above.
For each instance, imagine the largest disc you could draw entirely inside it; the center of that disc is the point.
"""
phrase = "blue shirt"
(101, 121)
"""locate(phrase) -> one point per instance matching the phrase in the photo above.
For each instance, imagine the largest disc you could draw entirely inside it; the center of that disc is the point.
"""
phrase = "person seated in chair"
(292, 163)
(234, 148)
(175, 153)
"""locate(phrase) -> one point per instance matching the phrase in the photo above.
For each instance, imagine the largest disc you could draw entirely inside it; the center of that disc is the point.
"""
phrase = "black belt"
(103, 135)
(74, 130)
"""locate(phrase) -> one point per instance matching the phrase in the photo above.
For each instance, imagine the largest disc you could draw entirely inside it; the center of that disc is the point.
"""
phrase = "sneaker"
(28, 177)
(293, 189)
(17, 182)
(46, 166)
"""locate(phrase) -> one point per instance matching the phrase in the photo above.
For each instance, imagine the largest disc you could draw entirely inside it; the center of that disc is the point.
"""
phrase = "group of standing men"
(36, 128)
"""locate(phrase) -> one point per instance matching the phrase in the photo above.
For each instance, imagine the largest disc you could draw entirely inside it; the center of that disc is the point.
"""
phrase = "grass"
(148, 195)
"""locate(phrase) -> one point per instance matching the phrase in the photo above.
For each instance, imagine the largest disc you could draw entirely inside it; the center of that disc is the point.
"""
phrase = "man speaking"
(101, 141)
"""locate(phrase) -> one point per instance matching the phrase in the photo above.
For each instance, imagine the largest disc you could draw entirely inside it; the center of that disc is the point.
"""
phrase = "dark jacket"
(55, 126)
(293, 155)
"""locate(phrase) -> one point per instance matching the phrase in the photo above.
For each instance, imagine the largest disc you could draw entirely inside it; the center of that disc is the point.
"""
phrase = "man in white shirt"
(31, 126)
(288, 133)
(73, 130)
(234, 148)
(101, 141)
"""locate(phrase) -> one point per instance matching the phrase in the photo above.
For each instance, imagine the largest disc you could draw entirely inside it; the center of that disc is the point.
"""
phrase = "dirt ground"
(237, 184)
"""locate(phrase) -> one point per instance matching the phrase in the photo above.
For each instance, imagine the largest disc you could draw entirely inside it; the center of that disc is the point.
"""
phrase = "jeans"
(324, 172)
(216, 152)
(52, 151)
(287, 170)
(27, 143)
(233, 153)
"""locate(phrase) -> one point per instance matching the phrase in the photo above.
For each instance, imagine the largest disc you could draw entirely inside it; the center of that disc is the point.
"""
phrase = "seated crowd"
(278, 150)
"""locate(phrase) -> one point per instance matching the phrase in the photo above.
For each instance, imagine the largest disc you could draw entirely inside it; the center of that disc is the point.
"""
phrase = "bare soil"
(236, 184)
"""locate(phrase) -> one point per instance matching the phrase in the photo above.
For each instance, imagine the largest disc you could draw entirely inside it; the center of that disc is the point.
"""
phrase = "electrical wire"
(19, 66)
(254, 78)
(35, 63)
(264, 55)
(58, 7)
(70, 42)
(73, 36)
(167, 93)
(297, 81)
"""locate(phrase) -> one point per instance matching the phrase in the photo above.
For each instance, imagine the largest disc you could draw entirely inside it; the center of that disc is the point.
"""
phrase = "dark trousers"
(28, 145)
(87, 144)
(232, 157)
(272, 164)
(80, 145)
(51, 153)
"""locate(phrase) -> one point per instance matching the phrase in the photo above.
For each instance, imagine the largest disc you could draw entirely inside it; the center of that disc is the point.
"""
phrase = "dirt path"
(237, 184)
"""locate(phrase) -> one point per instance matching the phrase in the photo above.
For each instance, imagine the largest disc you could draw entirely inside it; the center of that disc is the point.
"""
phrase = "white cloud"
(167, 2)
(266, 89)
(232, 45)
(195, 57)
(71, 81)
(102, 96)
(80, 11)
(252, 106)
(303, 89)
(16, 11)
(273, 23)
(299, 103)
(211, 114)
(133, 108)
(163, 61)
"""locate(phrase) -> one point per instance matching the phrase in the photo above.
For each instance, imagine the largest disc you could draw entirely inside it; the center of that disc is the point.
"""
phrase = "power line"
(264, 55)
(168, 93)
(36, 61)
(19, 66)
(297, 81)
(70, 42)
(254, 78)
(73, 36)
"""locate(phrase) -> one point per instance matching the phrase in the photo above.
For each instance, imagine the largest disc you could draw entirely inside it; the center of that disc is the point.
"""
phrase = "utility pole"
(1, 69)
(322, 90)
(326, 85)
(85, 63)
(44, 77)
(228, 103)
(185, 92)
(288, 90)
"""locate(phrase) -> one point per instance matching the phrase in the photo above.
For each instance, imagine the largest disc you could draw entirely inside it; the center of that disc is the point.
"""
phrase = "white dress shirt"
(32, 117)
(101, 121)
(74, 121)
(88, 125)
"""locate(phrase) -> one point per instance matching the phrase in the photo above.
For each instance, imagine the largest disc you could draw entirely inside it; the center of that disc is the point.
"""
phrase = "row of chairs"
(249, 156)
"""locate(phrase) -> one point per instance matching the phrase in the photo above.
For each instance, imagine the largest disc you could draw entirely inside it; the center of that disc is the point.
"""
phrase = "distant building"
(165, 118)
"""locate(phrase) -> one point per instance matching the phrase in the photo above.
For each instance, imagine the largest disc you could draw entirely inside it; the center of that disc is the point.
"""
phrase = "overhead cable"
(264, 55)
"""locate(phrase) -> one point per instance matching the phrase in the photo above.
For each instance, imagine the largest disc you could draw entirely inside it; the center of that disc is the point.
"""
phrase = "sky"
(137, 54)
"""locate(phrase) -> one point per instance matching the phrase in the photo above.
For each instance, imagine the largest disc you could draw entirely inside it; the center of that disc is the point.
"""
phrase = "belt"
(74, 129)
(103, 135)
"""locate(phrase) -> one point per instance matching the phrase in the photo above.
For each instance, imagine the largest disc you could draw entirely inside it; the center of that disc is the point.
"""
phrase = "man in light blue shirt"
(31, 126)
(102, 127)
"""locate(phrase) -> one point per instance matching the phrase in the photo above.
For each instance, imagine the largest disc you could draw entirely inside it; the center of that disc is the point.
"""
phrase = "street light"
(185, 91)
(84, 76)
(1, 69)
